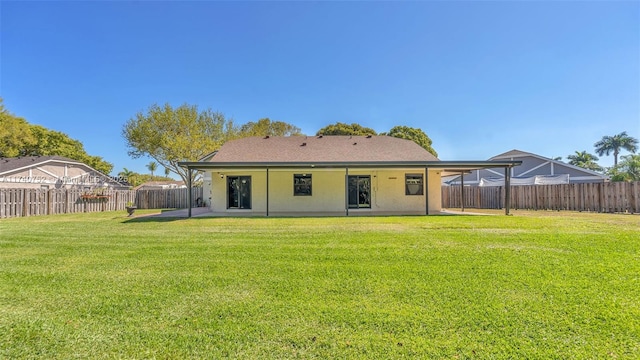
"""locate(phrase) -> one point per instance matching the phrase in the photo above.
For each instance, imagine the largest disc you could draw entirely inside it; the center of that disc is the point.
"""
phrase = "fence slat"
(617, 197)
(597, 197)
(32, 202)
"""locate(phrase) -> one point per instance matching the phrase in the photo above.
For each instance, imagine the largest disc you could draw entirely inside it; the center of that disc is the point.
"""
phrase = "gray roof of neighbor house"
(321, 149)
(10, 164)
(519, 154)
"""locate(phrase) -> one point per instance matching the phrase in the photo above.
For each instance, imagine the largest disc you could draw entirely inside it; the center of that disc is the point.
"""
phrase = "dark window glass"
(414, 184)
(302, 184)
(359, 191)
(239, 192)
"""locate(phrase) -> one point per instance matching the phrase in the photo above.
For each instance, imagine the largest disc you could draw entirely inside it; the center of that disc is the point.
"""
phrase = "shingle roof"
(517, 154)
(509, 154)
(353, 149)
(9, 164)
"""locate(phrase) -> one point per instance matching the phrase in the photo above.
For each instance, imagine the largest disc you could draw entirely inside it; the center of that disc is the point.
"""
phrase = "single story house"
(535, 170)
(53, 172)
(326, 176)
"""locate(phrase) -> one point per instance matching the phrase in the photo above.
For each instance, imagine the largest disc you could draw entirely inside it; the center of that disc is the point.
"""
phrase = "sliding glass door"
(359, 191)
(238, 192)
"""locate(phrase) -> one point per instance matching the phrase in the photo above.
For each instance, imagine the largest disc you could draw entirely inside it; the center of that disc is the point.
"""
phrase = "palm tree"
(584, 160)
(127, 176)
(167, 171)
(152, 166)
(614, 144)
(627, 170)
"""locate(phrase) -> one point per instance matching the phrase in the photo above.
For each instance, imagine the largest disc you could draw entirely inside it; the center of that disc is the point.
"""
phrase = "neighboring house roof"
(352, 149)
(12, 164)
(516, 154)
(161, 185)
(533, 166)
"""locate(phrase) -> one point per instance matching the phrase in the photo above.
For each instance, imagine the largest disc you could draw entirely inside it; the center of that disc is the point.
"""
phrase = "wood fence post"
(24, 202)
(49, 205)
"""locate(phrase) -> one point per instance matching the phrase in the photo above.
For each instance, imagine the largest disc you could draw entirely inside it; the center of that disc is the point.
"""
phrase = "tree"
(170, 135)
(346, 129)
(19, 138)
(615, 143)
(265, 126)
(15, 134)
(627, 170)
(127, 176)
(584, 160)
(135, 179)
(416, 135)
(167, 171)
(152, 166)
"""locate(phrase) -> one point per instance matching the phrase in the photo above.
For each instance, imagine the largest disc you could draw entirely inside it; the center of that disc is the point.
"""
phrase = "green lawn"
(534, 285)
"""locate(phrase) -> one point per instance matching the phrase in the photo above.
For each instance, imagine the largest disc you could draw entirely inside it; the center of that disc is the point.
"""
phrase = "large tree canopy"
(170, 135)
(346, 129)
(613, 144)
(264, 127)
(417, 135)
(16, 136)
(19, 138)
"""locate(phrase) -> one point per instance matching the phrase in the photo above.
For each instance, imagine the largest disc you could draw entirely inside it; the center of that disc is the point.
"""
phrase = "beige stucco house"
(325, 176)
(52, 172)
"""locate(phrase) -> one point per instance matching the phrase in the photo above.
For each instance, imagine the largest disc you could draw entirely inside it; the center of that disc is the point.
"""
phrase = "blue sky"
(480, 78)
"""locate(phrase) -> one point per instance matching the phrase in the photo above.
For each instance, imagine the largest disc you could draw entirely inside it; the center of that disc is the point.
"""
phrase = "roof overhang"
(447, 166)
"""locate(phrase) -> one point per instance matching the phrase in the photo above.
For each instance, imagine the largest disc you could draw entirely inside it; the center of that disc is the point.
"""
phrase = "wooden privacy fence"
(30, 202)
(599, 197)
(168, 198)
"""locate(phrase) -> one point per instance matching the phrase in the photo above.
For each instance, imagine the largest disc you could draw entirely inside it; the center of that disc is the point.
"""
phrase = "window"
(413, 184)
(359, 191)
(302, 184)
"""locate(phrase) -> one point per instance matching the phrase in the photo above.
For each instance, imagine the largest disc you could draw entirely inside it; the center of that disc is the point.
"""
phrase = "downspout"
(346, 190)
(267, 191)
(426, 190)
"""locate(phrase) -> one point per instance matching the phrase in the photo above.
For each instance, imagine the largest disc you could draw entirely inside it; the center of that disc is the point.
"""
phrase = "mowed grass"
(534, 285)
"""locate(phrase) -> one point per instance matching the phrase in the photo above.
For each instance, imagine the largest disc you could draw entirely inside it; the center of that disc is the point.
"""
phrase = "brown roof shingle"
(353, 149)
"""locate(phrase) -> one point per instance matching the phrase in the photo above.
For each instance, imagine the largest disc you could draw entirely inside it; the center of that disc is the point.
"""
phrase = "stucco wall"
(328, 192)
(328, 195)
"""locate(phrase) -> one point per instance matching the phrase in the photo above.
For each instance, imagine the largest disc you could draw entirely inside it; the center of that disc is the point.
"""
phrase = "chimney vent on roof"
(369, 136)
(304, 144)
(355, 143)
(320, 136)
(266, 137)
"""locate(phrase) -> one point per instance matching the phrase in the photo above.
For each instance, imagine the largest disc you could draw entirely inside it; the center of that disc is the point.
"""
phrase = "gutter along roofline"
(445, 165)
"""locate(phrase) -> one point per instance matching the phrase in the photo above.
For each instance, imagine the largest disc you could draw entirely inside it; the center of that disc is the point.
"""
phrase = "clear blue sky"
(480, 78)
